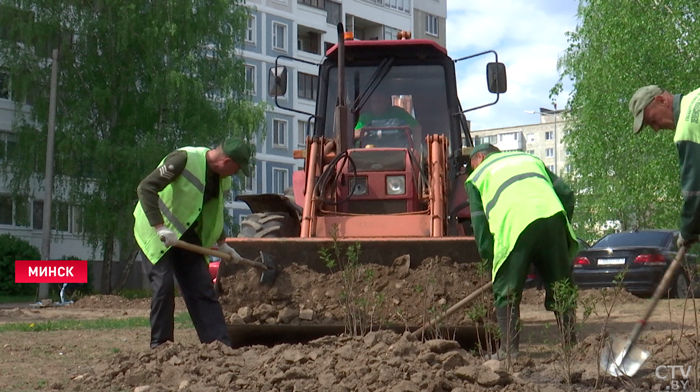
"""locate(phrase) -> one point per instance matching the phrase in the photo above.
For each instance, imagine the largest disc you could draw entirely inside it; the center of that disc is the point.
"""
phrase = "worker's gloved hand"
(167, 236)
(687, 243)
(235, 257)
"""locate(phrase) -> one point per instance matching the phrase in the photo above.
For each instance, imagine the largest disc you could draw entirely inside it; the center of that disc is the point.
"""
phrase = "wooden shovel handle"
(454, 308)
(216, 253)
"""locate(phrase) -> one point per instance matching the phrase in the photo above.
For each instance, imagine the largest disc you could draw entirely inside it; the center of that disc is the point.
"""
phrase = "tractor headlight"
(358, 186)
(395, 185)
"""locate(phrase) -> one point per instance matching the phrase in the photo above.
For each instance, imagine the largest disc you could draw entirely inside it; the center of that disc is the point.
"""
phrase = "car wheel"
(681, 286)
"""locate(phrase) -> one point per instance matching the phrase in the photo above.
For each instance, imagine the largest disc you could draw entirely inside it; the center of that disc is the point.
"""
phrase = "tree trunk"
(127, 269)
(107, 265)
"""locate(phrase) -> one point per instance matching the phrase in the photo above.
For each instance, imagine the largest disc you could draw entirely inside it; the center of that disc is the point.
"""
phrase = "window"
(313, 3)
(279, 180)
(334, 12)
(250, 79)
(5, 210)
(530, 137)
(279, 36)
(551, 168)
(38, 214)
(568, 168)
(431, 24)
(250, 36)
(549, 152)
(531, 152)
(306, 85)
(8, 144)
(4, 85)
(248, 185)
(301, 133)
(508, 136)
(61, 219)
(390, 33)
(549, 135)
(279, 133)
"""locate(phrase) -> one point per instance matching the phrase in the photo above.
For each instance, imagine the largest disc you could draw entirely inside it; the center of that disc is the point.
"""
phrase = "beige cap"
(639, 101)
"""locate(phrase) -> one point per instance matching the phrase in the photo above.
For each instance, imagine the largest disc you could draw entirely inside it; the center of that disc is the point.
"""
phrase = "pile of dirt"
(589, 296)
(117, 302)
(397, 294)
(378, 361)
(381, 361)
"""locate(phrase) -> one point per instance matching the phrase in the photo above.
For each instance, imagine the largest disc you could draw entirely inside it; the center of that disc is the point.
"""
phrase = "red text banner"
(51, 271)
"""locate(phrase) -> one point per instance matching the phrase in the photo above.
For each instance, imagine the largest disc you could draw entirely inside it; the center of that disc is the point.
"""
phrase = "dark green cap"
(240, 152)
(482, 148)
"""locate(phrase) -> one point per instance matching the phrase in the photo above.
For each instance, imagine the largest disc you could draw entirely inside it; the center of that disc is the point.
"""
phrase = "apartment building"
(306, 29)
(544, 140)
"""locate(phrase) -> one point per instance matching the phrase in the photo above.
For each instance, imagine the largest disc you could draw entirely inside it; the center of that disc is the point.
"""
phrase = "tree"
(616, 48)
(137, 79)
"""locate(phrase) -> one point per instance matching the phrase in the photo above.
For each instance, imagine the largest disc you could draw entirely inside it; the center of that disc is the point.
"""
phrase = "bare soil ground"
(120, 360)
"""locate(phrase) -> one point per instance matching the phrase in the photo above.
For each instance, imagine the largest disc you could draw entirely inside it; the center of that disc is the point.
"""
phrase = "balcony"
(309, 40)
(364, 29)
(397, 5)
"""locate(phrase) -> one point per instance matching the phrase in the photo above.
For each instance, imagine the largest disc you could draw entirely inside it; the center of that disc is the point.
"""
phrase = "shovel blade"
(268, 276)
(615, 363)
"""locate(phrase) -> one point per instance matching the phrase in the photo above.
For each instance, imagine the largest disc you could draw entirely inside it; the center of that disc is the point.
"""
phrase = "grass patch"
(182, 320)
(6, 299)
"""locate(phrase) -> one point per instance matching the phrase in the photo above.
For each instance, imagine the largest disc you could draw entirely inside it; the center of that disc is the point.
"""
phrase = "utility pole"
(48, 177)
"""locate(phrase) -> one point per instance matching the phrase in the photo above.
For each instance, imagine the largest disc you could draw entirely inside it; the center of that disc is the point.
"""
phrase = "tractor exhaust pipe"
(341, 115)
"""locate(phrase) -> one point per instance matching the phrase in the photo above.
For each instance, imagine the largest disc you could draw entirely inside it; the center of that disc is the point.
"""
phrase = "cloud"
(529, 37)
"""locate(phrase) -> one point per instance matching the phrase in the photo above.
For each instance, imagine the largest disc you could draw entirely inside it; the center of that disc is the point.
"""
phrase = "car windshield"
(642, 238)
(419, 89)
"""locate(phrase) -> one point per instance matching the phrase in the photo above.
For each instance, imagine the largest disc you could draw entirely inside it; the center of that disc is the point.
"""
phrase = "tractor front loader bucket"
(373, 250)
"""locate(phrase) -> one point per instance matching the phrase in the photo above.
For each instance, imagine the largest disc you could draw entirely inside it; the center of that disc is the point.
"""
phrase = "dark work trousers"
(192, 273)
(544, 242)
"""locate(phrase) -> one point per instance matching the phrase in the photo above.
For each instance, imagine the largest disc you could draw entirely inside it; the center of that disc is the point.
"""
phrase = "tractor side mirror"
(277, 81)
(496, 77)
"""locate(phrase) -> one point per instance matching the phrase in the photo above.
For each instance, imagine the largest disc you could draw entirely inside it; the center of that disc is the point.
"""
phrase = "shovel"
(459, 305)
(622, 357)
(267, 266)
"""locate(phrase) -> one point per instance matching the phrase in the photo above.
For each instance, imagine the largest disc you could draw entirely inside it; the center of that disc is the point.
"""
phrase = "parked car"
(534, 279)
(646, 254)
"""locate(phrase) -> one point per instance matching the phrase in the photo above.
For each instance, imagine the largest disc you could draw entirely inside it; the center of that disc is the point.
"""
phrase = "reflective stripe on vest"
(180, 203)
(516, 190)
(688, 127)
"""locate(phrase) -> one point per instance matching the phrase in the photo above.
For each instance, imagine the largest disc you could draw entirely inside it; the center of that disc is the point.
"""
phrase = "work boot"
(567, 324)
(509, 326)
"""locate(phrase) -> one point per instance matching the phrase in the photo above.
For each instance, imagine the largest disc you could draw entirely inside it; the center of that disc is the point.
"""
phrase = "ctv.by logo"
(676, 376)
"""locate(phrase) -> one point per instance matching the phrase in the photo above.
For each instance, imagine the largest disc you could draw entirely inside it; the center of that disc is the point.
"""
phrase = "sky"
(529, 36)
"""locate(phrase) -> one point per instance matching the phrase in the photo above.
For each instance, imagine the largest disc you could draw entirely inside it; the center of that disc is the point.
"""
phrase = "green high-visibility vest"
(181, 204)
(688, 127)
(516, 190)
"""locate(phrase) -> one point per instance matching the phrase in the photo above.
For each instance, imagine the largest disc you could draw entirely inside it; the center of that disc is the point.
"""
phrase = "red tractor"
(396, 187)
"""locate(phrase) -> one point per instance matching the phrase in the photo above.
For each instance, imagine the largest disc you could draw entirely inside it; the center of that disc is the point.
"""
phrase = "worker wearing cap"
(183, 199)
(659, 109)
(521, 214)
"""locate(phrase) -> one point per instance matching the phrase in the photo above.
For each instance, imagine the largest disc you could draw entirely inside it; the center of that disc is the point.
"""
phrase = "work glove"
(235, 257)
(167, 236)
(687, 243)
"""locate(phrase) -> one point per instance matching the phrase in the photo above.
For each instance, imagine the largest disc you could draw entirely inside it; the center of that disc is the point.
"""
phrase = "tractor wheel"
(269, 225)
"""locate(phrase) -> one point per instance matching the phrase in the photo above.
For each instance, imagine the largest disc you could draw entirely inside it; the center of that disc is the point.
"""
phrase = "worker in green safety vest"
(183, 199)
(659, 109)
(521, 214)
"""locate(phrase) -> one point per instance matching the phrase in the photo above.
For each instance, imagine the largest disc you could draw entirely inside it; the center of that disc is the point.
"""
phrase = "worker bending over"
(183, 199)
(521, 214)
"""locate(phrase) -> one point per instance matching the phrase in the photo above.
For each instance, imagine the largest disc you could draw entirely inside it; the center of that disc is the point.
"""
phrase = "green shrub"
(13, 248)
